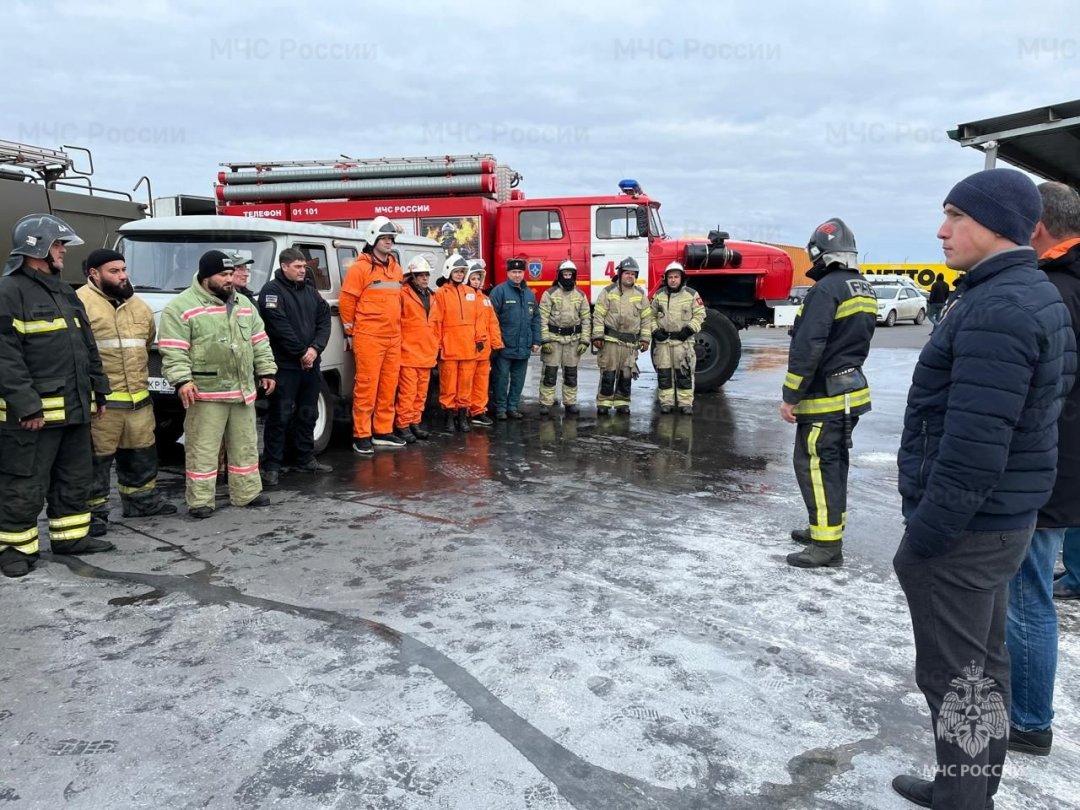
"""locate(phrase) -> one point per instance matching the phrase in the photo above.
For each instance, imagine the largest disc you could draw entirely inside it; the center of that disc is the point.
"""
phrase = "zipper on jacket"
(925, 450)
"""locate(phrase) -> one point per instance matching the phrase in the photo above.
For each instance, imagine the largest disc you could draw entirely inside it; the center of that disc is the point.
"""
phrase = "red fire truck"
(471, 204)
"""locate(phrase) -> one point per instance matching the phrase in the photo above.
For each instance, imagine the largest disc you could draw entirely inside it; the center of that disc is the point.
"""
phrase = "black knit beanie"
(99, 257)
(1001, 200)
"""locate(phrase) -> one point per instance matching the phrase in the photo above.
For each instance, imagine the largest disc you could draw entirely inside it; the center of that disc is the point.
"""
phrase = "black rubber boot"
(801, 536)
(419, 432)
(819, 555)
(451, 419)
(84, 545)
(15, 564)
(99, 524)
(146, 506)
(463, 420)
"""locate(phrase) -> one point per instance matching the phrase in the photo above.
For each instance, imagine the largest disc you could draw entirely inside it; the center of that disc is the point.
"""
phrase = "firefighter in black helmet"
(825, 391)
(51, 382)
(621, 327)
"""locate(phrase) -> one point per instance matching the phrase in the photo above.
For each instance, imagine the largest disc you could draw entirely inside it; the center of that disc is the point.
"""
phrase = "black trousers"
(821, 468)
(958, 604)
(293, 410)
(52, 465)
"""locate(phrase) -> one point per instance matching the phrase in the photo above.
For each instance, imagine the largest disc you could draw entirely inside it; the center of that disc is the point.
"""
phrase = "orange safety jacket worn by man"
(370, 306)
(419, 352)
(488, 327)
(458, 336)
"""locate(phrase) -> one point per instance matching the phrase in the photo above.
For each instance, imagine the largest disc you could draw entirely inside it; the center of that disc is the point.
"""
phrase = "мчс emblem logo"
(972, 715)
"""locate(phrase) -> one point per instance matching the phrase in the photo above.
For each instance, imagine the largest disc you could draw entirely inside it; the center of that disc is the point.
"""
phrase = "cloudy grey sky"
(764, 117)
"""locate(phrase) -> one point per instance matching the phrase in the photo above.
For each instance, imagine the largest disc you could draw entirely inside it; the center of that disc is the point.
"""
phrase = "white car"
(897, 302)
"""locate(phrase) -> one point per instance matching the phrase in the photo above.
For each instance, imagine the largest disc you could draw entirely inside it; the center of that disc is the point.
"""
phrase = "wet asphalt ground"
(547, 614)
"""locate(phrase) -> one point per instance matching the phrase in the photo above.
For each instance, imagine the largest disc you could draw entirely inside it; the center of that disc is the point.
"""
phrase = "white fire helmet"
(418, 264)
(455, 261)
(477, 266)
(379, 227)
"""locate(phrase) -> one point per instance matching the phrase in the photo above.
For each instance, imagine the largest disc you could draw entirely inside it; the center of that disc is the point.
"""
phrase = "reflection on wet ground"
(589, 613)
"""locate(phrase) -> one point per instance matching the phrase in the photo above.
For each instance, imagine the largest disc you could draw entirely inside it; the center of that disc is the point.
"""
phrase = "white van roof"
(232, 225)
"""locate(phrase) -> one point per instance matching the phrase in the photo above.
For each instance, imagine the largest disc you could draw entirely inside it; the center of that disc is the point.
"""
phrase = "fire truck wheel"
(718, 351)
(324, 420)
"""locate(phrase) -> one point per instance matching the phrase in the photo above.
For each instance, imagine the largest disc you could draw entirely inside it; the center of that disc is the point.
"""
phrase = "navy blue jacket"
(519, 319)
(979, 446)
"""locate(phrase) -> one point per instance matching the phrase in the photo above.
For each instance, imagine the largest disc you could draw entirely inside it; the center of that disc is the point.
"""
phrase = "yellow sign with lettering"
(922, 274)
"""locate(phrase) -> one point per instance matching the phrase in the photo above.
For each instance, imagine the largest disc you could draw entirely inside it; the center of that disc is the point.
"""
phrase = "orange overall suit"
(487, 329)
(419, 350)
(458, 335)
(370, 305)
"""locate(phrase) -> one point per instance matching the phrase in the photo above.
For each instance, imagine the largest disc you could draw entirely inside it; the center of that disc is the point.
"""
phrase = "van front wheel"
(324, 418)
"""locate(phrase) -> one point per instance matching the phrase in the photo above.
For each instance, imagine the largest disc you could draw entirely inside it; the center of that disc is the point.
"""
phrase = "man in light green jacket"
(213, 347)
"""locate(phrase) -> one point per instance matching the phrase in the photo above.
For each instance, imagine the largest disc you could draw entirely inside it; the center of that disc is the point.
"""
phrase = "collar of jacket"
(1061, 248)
(116, 302)
(53, 282)
(1065, 262)
(996, 262)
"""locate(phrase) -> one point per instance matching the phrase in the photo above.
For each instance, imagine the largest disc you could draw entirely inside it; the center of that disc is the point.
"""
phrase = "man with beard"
(50, 381)
(213, 347)
(123, 327)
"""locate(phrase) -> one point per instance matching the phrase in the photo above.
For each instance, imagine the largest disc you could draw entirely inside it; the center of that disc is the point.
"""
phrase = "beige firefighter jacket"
(673, 311)
(622, 316)
(564, 316)
(124, 335)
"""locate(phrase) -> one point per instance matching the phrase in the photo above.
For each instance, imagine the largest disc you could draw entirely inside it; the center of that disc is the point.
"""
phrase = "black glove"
(479, 345)
(101, 399)
(660, 335)
(684, 334)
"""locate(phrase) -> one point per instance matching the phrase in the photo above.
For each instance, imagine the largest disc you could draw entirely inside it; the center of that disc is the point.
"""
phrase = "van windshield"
(168, 262)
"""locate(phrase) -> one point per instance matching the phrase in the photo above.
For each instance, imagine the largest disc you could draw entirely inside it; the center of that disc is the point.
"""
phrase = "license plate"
(161, 386)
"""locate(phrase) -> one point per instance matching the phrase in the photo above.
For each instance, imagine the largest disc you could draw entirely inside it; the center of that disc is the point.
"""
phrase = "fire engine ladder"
(46, 163)
(346, 160)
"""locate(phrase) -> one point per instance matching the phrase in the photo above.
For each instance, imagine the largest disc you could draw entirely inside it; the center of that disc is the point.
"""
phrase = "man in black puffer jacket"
(977, 460)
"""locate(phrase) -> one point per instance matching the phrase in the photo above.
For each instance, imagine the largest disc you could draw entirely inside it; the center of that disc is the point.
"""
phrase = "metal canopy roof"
(1044, 141)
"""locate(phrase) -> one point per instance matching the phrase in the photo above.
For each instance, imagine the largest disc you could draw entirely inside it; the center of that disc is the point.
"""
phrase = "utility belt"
(565, 331)
(844, 381)
(622, 337)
